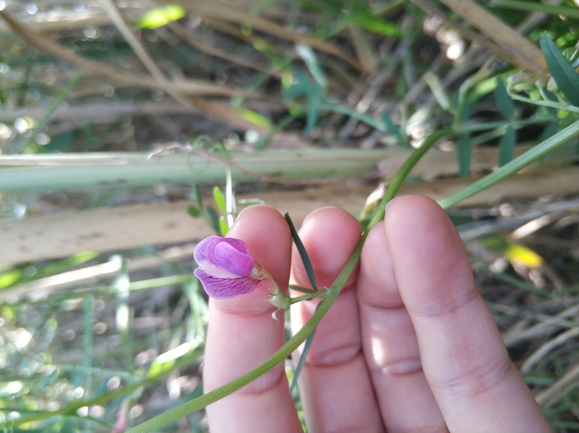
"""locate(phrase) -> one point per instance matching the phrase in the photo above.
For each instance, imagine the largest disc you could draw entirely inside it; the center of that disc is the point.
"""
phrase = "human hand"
(409, 344)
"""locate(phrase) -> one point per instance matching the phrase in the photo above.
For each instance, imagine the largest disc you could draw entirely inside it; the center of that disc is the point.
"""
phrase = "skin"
(408, 346)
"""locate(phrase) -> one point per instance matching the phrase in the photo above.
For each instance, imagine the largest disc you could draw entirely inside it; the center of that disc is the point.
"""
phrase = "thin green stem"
(549, 104)
(402, 173)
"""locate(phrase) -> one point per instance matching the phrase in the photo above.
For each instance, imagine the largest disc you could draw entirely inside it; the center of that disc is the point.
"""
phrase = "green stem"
(515, 165)
(294, 342)
(548, 104)
(401, 174)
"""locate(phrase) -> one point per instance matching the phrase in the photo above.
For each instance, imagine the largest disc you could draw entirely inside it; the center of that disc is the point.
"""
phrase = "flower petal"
(224, 257)
(227, 256)
(200, 253)
(225, 288)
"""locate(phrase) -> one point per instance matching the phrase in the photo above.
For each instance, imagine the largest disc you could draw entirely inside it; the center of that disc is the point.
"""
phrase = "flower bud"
(227, 269)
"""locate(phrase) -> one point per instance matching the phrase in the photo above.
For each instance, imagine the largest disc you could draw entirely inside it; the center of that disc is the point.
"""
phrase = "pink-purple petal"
(225, 288)
(229, 254)
(200, 252)
(217, 272)
(226, 256)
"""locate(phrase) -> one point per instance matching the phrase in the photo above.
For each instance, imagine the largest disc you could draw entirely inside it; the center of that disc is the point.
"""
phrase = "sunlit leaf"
(253, 117)
(223, 226)
(8, 278)
(219, 199)
(160, 16)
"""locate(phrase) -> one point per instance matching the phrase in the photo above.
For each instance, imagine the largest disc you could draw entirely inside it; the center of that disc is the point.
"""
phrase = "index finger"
(242, 334)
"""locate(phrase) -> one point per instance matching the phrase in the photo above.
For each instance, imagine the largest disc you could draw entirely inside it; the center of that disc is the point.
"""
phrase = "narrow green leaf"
(565, 76)
(9, 278)
(504, 101)
(219, 199)
(507, 145)
(438, 90)
(298, 86)
(302, 360)
(213, 219)
(463, 152)
(223, 226)
(303, 253)
(315, 99)
(253, 117)
(309, 57)
(160, 16)
(360, 14)
(391, 128)
(549, 130)
(194, 211)
(463, 110)
(195, 194)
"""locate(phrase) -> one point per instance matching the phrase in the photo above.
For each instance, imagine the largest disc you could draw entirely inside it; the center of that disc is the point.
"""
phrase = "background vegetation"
(127, 127)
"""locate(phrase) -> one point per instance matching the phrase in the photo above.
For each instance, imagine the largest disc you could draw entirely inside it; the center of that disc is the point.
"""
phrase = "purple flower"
(226, 269)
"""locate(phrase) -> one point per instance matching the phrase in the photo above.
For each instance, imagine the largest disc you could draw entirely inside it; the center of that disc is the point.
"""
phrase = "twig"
(522, 52)
(115, 15)
(565, 384)
(542, 351)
